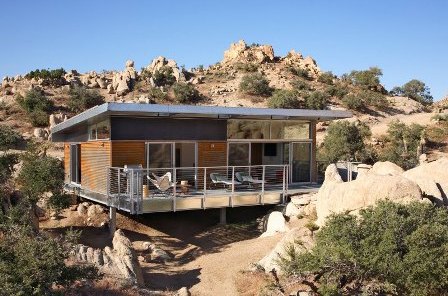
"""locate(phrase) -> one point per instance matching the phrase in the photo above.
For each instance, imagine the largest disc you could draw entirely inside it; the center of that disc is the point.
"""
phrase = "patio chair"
(163, 183)
(218, 178)
(245, 177)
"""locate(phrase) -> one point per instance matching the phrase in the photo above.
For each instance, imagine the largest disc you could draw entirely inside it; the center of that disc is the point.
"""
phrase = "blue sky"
(407, 39)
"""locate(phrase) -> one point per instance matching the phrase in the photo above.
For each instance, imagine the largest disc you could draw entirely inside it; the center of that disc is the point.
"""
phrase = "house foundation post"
(112, 220)
(222, 216)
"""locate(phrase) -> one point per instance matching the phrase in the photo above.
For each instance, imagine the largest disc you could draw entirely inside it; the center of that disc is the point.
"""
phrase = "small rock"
(82, 209)
(183, 292)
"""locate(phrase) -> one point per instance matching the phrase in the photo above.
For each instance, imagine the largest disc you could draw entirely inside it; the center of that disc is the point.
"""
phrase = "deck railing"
(127, 188)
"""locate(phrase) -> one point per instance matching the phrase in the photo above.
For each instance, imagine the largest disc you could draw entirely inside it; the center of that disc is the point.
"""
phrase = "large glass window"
(267, 129)
(159, 155)
(99, 131)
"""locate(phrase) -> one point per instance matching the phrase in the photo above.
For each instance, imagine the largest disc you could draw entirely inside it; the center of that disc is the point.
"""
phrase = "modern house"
(145, 158)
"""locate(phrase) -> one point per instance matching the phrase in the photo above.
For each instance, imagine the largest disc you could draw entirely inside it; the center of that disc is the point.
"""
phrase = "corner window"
(99, 131)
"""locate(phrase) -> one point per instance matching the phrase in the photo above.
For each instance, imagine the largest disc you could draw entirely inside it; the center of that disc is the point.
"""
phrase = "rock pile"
(160, 62)
(123, 82)
(240, 52)
(296, 59)
(119, 261)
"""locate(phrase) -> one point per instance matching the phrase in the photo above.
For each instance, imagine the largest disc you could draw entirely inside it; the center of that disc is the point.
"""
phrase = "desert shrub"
(437, 134)
(247, 67)
(157, 94)
(414, 89)
(82, 99)
(9, 138)
(365, 99)
(326, 77)
(300, 72)
(46, 74)
(367, 79)
(391, 249)
(440, 117)
(36, 105)
(145, 74)
(255, 84)
(353, 102)
(282, 98)
(7, 163)
(316, 100)
(338, 90)
(346, 141)
(185, 93)
(299, 84)
(401, 144)
(164, 76)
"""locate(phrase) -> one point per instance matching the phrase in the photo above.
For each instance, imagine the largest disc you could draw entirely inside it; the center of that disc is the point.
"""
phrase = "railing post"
(263, 178)
(283, 195)
(233, 186)
(131, 191)
(117, 199)
(205, 188)
(108, 174)
(174, 189)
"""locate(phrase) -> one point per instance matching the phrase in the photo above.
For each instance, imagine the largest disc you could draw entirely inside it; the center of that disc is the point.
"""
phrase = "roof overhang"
(106, 110)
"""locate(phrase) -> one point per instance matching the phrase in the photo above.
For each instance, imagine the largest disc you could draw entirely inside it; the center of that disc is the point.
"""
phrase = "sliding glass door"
(75, 163)
(159, 155)
(300, 162)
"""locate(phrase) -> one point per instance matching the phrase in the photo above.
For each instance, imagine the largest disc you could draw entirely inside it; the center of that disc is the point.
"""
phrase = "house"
(145, 158)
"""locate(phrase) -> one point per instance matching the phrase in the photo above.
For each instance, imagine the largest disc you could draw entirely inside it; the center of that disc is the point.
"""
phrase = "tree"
(364, 99)
(367, 79)
(326, 77)
(391, 249)
(401, 144)
(255, 84)
(418, 91)
(282, 98)
(37, 106)
(164, 76)
(316, 100)
(82, 99)
(346, 141)
(185, 93)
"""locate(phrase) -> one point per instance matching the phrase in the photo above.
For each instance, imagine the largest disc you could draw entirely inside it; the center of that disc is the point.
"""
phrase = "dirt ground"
(207, 257)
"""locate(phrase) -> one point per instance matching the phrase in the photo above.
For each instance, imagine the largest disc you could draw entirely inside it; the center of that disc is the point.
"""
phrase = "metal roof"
(190, 111)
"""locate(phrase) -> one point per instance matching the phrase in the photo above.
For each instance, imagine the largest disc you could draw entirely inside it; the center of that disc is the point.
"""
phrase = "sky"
(407, 39)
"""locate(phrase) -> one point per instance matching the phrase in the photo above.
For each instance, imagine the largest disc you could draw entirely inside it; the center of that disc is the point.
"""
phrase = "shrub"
(346, 141)
(299, 84)
(326, 77)
(247, 67)
(415, 90)
(353, 102)
(82, 99)
(39, 118)
(391, 249)
(46, 74)
(34, 100)
(365, 99)
(9, 138)
(337, 90)
(185, 93)
(255, 84)
(316, 100)
(282, 98)
(367, 79)
(7, 163)
(401, 144)
(164, 76)
(157, 94)
(300, 72)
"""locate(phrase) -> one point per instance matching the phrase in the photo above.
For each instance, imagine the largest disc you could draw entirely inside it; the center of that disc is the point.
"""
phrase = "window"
(248, 129)
(99, 131)
(268, 129)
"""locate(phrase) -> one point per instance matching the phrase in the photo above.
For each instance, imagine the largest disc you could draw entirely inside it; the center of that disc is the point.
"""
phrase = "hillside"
(219, 84)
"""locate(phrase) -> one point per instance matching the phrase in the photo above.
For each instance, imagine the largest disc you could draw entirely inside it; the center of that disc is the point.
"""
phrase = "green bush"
(286, 99)
(414, 89)
(46, 74)
(157, 94)
(401, 144)
(353, 102)
(346, 141)
(367, 79)
(9, 138)
(185, 93)
(300, 72)
(34, 100)
(337, 90)
(247, 67)
(164, 76)
(316, 100)
(299, 84)
(391, 249)
(82, 99)
(326, 77)
(364, 99)
(39, 118)
(255, 84)
(7, 163)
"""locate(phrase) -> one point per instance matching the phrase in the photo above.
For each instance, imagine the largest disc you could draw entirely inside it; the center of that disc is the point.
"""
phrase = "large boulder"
(119, 261)
(336, 197)
(240, 52)
(160, 62)
(299, 238)
(275, 223)
(386, 168)
(432, 177)
(296, 59)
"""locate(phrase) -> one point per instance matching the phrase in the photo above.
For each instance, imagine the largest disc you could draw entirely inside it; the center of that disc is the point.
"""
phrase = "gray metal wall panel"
(128, 128)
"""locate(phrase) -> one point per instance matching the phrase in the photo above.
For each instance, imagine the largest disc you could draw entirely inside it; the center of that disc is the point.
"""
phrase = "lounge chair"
(163, 183)
(245, 177)
(222, 179)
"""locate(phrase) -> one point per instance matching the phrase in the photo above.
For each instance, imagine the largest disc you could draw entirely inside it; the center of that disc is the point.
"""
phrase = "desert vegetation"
(255, 84)
(37, 106)
(82, 99)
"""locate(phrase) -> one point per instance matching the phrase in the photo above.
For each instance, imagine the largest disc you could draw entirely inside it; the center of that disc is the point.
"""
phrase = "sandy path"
(381, 127)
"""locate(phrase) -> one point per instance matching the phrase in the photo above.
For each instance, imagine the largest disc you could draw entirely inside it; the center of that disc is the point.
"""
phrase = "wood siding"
(67, 163)
(212, 154)
(95, 159)
(128, 153)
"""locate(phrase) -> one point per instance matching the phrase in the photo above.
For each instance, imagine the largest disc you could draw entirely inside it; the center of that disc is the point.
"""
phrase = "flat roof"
(193, 111)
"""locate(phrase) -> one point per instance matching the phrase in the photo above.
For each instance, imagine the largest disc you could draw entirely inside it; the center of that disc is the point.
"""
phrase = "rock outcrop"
(123, 82)
(275, 223)
(386, 168)
(119, 261)
(296, 59)
(336, 196)
(160, 62)
(240, 52)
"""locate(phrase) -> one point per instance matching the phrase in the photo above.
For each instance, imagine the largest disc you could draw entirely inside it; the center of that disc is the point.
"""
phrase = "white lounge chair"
(245, 177)
(218, 178)
(163, 183)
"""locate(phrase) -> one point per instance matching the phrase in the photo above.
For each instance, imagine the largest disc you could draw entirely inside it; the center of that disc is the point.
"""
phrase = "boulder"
(156, 254)
(335, 196)
(431, 175)
(56, 119)
(386, 168)
(94, 210)
(119, 261)
(300, 238)
(82, 209)
(240, 52)
(40, 133)
(304, 199)
(275, 223)
(296, 59)
(292, 210)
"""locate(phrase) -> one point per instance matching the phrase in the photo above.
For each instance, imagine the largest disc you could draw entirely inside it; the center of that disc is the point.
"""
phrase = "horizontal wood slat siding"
(67, 163)
(95, 159)
(128, 153)
(212, 154)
